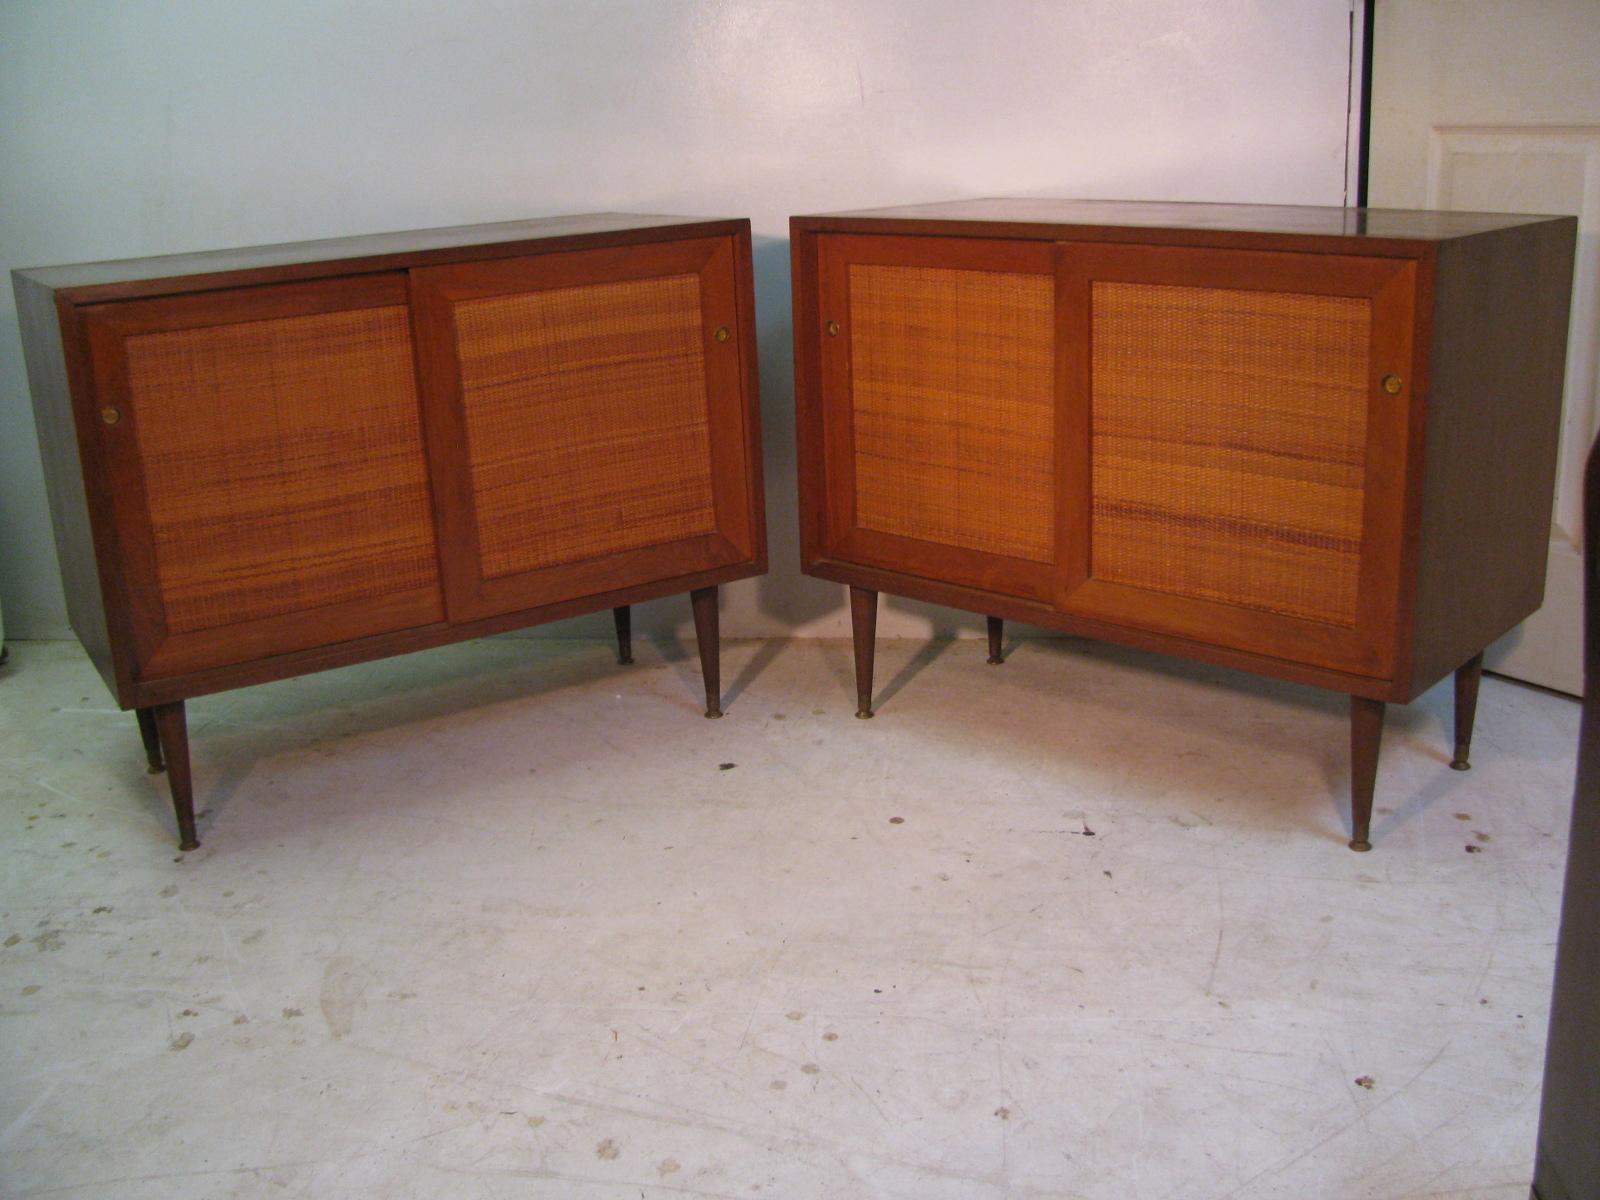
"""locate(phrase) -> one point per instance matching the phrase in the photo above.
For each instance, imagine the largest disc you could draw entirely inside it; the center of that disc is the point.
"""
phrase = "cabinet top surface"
(1306, 220)
(375, 245)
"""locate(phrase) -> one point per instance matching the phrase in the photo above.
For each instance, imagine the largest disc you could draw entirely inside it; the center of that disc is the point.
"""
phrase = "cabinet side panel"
(282, 465)
(613, 377)
(810, 460)
(1228, 445)
(954, 407)
(63, 471)
(1498, 350)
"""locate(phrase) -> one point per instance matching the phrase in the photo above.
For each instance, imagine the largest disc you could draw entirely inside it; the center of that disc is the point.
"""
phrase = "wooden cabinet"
(1313, 443)
(264, 462)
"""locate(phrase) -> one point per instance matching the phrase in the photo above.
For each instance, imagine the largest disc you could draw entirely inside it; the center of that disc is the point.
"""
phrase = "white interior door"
(1494, 106)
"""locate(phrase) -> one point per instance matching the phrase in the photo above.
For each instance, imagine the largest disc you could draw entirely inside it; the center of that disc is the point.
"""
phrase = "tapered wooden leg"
(1366, 731)
(174, 734)
(1466, 709)
(997, 629)
(704, 601)
(623, 616)
(152, 739)
(864, 633)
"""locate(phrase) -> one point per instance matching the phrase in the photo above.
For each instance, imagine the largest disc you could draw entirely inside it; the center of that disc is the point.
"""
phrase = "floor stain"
(31, 990)
(169, 891)
(830, 1036)
(294, 1012)
(13, 939)
(797, 1015)
(341, 996)
(810, 1069)
(250, 939)
(778, 1085)
(50, 939)
(1366, 1081)
(1003, 1113)
(183, 1041)
(607, 1150)
(668, 1166)
(535, 1122)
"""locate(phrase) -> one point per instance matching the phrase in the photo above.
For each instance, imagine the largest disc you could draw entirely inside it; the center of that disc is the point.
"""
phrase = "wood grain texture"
(606, 593)
(1229, 445)
(282, 463)
(86, 580)
(203, 270)
(1249, 501)
(811, 401)
(937, 444)
(1045, 616)
(598, 401)
(953, 407)
(611, 378)
(1308, 228)
(1495, 364)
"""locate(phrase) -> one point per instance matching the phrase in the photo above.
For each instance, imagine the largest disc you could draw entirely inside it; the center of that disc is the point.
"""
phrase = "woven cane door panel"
(953, 408)
(283, 471)
(1228, 445)
(587, 420)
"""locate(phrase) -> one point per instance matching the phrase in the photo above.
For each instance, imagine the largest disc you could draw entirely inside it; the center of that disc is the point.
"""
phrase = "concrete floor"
(507, 920)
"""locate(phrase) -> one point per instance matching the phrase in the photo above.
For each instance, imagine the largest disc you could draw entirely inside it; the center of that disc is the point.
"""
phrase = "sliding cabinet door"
(1238, 455)
(587, 420)
(268, 490)
(939, 406)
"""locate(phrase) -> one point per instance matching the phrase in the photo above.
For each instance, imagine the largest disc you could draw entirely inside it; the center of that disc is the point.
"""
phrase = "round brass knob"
(1392, 384)
(833, 329)
(110, 415)
(721, 334)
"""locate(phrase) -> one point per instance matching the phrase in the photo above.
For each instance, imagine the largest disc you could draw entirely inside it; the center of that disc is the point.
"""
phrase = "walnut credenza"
(1317, 444)
(271, 461)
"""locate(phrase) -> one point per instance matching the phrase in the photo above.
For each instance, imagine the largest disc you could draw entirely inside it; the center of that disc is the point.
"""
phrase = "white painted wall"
(135, 127)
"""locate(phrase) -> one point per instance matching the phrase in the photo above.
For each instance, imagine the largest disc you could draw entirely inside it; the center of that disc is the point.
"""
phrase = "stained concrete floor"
(507, 920)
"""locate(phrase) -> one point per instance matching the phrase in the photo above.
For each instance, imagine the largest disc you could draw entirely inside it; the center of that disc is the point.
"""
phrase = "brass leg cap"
(625, 662)
(193, 845)
(863, 714)
(713, 713)
(154, 769)
(1460, 764)
(1361, 845)
(994, 660)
